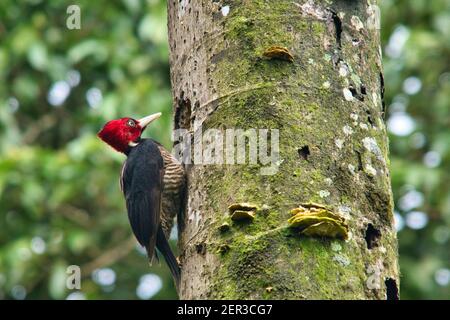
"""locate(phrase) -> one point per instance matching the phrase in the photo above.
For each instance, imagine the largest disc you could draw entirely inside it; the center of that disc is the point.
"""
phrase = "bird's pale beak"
(144, 122)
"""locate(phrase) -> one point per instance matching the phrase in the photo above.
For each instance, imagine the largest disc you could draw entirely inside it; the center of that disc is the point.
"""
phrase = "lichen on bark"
(327, 98)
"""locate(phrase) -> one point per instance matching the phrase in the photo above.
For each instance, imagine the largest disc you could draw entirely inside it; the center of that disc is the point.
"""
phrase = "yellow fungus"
(238, 215)
(315, 220)
(280, 53)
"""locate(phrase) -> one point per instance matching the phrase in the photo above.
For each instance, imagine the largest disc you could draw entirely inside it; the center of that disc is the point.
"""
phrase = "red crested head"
(124, 133)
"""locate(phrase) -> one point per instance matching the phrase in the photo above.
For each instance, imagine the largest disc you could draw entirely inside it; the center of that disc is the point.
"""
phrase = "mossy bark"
(328, 99)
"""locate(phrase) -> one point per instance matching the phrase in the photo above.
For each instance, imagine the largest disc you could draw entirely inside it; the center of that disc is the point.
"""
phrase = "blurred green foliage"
(416, 44)
(60, 203)
(60, 199)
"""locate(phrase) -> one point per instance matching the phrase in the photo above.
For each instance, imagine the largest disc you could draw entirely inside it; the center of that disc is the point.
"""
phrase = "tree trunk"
(312, 70)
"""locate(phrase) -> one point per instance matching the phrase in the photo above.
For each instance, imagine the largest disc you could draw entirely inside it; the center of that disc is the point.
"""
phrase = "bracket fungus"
(242, 211)
(280, 53)
(315, 220)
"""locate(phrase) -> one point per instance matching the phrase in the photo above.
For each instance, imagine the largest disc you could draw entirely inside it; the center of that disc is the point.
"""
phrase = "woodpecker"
(153, 183)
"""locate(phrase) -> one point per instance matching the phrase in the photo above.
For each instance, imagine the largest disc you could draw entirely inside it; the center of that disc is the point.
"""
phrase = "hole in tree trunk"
(372, 236)
(200, 248)
(391, 289)
(363, 89)
(183, 113)
(304, 152)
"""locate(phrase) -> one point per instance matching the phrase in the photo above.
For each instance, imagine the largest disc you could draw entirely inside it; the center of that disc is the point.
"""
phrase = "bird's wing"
(173, 196)
(142, 183)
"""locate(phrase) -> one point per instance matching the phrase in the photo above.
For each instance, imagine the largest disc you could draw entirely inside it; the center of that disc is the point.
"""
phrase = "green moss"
(253, 264)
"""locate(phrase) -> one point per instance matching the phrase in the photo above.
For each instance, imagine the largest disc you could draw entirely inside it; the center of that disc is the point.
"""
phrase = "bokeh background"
(60, 203)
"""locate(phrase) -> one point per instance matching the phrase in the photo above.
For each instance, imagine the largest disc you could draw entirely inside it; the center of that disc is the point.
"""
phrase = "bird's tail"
(152, 256)
(163, 246)
(151, 252)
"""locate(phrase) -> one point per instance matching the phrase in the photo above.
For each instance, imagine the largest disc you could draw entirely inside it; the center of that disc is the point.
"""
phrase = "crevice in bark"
(372, 236)
(383, 102)
(355, 93)
(363, 89)
(369, 118)
(338, 28)
(391, 289)
(360, 163)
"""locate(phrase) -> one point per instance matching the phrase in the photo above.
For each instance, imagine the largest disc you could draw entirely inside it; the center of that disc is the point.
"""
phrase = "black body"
(142, 185)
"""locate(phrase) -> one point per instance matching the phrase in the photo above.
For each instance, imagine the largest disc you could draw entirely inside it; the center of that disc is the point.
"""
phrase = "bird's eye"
(131, 123)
